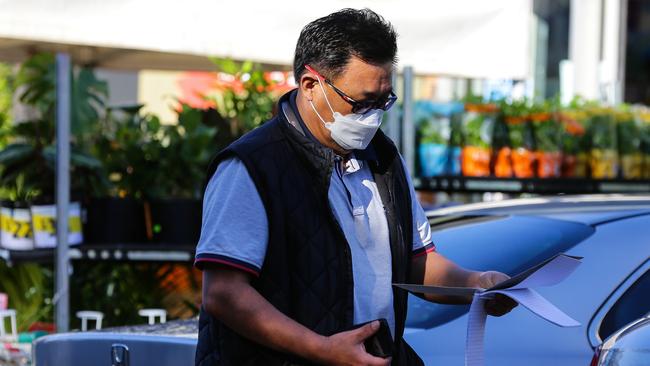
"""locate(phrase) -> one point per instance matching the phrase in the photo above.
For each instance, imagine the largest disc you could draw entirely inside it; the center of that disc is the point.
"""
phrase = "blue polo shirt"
(235, 227)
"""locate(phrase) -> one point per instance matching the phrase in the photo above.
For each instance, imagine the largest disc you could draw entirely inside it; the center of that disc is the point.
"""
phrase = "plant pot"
(582, 166)
(603, 163)
(569, 163)
(439, 159)
(16, 227)
(44, 225)
(548, 164)
(523, 161)
(503, 163)
(113, 220)
(476, 161)
(632, 166)
(176, 221)
(433, 159)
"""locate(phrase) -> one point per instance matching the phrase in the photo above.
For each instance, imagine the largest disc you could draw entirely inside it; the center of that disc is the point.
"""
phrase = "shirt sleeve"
(422, 242)
(234, 228)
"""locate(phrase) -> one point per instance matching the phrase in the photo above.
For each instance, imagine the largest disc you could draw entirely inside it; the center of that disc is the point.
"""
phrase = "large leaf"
(77, 158)
(38, 76)
(88, 96)
(14, 153)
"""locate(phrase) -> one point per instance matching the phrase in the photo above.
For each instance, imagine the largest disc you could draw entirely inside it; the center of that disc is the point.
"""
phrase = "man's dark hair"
(328, 43)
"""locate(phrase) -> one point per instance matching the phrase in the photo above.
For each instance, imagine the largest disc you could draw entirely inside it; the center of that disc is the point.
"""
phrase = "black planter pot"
(176, 221)
(115, 220)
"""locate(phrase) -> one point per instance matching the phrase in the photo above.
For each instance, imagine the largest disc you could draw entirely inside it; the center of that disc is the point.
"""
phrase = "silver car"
(629, 346)
(609, 289)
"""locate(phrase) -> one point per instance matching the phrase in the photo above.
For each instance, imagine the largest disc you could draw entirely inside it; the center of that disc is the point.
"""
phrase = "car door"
(613, 251)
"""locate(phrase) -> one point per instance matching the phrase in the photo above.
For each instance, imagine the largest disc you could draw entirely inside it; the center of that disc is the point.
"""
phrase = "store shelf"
(149, 252)
(536, 185)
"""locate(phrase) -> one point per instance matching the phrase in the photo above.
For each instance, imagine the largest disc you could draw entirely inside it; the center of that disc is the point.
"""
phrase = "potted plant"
(643, 116)
(548, 138)
(629, 142)
(478, 127)
(176, 207)
(439, 138)
(128, 144)
(15, 218)
(244, 98)
(576, 138)
(30, 158)
(520, 139)
(604, 152)
(574, 161)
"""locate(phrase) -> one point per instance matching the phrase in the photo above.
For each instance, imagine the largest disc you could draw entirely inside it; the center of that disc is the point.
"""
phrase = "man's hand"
(499, 305)
(347, 349)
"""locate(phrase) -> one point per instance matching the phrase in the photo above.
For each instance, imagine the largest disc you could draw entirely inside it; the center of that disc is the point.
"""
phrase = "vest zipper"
(347, 254)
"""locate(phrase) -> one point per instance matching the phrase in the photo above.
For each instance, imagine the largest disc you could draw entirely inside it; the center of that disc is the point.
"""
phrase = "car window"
(509, 244)
(633, 304)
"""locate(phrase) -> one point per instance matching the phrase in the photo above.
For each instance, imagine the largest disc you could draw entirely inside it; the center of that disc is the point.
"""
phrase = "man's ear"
(308, 82)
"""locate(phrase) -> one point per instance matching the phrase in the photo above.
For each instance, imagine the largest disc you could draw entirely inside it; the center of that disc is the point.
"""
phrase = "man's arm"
(228, 296)
(433, 269)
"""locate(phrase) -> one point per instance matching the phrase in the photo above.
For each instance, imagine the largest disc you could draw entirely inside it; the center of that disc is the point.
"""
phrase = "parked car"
(169, 344)
(629, 346)
(606, 292)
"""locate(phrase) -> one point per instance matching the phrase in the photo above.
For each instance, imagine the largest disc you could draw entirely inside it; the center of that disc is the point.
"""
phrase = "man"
(309, 219)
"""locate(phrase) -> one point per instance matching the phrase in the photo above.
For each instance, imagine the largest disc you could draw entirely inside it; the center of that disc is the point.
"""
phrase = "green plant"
(548, 130)
(29, 287)
(478, 125)
(118, 290)
(31, 153)
(129, 145)
(603, 130)
(37, 77)
(31, 161)
(431, 133)
(515, 115)
(629, 131)
(244, 99)
(186, 152)
(7, 89)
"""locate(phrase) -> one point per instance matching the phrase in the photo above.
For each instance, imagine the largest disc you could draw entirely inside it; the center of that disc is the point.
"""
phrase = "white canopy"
(471, 38)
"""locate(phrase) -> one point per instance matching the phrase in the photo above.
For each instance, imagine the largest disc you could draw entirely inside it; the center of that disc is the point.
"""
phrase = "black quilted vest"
(307, 271)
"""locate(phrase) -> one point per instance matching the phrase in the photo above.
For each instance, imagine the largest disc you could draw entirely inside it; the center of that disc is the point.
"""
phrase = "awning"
(470, 38)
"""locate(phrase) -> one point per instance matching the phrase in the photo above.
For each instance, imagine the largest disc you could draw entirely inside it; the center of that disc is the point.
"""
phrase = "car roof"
(586, 209)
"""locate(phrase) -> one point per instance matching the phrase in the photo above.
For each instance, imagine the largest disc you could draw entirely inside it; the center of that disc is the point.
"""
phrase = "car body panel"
(94, 348)
(610, 255)
(630, 346)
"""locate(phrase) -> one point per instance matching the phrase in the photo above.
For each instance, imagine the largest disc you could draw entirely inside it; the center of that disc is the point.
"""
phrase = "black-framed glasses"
(361, 107)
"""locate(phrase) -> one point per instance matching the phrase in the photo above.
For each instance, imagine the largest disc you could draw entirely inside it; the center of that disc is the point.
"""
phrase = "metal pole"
(408, 127)
(392, 123)
(62, 296)
(622, 43)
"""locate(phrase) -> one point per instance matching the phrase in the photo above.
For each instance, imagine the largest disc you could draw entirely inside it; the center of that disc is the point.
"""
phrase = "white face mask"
(353, 131)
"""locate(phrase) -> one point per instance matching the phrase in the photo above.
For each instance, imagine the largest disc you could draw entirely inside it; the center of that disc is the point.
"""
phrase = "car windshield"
(509, 244)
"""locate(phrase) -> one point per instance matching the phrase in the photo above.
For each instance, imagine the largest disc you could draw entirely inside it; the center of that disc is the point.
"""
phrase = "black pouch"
(381, 343)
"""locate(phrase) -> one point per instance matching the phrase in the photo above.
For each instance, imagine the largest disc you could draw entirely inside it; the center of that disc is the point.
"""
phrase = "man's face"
(360, 81)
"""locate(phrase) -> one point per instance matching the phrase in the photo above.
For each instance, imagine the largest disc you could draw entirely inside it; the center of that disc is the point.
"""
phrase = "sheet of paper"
(475, 332)
(537, 304)
(547, 273)
(439, 290)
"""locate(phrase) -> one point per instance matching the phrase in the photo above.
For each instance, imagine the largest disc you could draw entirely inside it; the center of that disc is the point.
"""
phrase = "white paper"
(534, 302)
(475, 332)
(548, 273)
